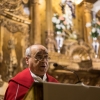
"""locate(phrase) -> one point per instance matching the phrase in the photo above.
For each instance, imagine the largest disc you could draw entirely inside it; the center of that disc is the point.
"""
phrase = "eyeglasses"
(42, 57)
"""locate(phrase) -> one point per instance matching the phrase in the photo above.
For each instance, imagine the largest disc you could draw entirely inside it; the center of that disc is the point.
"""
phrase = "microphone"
(58, 66)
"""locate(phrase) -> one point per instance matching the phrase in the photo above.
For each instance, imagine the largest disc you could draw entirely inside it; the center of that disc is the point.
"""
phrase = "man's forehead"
(41, 52)
(38, 49)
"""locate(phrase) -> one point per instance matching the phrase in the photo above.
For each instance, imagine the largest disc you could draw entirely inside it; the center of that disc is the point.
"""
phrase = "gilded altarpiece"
(18, 30)
(65, 66)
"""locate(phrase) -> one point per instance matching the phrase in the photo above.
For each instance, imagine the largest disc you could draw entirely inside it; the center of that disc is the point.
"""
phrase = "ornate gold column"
(87, 18)
(51, 43)
(49, 16)
(1, 44)
(35, 35)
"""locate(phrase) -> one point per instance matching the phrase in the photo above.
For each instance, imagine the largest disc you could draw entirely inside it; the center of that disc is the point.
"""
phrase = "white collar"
(35, 76)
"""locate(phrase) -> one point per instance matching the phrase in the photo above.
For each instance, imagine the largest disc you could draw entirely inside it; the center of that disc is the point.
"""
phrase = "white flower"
(70, 17)
(98, 31)
(63, 27)
(94, 38)
(58, 21)
(88, 24)
(58, 26)
(93, 30)
(54, 19)
(58, 32)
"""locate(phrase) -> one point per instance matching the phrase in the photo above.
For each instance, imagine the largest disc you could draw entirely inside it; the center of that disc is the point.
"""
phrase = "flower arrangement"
(95, 31)
(59, 23)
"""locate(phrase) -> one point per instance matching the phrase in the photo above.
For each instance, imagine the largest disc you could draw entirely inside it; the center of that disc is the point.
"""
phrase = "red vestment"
(20, 84)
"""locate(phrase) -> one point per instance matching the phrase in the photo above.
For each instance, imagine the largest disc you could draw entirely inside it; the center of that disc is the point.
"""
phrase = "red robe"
(20, 84)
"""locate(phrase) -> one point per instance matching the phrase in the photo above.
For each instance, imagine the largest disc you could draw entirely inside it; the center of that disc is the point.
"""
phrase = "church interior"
(70, 29)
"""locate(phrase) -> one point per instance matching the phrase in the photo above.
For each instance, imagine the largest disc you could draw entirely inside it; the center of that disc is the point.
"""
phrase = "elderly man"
(37, 60)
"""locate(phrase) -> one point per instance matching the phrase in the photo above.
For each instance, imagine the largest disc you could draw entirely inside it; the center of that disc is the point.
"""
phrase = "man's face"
(38, 62)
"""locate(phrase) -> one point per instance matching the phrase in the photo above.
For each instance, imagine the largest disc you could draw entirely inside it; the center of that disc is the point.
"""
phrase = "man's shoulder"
(21, 74)
(24, 78)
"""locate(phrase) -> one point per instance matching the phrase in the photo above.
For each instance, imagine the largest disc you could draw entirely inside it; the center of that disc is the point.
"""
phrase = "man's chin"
(42, 71)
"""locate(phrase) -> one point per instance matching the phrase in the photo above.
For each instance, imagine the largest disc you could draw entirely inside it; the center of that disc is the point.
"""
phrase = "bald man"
(37, 61)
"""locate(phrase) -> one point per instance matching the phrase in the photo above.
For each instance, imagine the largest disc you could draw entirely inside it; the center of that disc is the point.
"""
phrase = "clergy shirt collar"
(34, 76)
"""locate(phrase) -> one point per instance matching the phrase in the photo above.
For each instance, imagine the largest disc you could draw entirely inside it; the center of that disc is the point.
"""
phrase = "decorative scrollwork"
(10, 4)
(14, 27)
(13, 9)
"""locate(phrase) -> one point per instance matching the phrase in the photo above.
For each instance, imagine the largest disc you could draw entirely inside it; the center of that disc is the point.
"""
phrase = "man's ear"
(27, 60)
